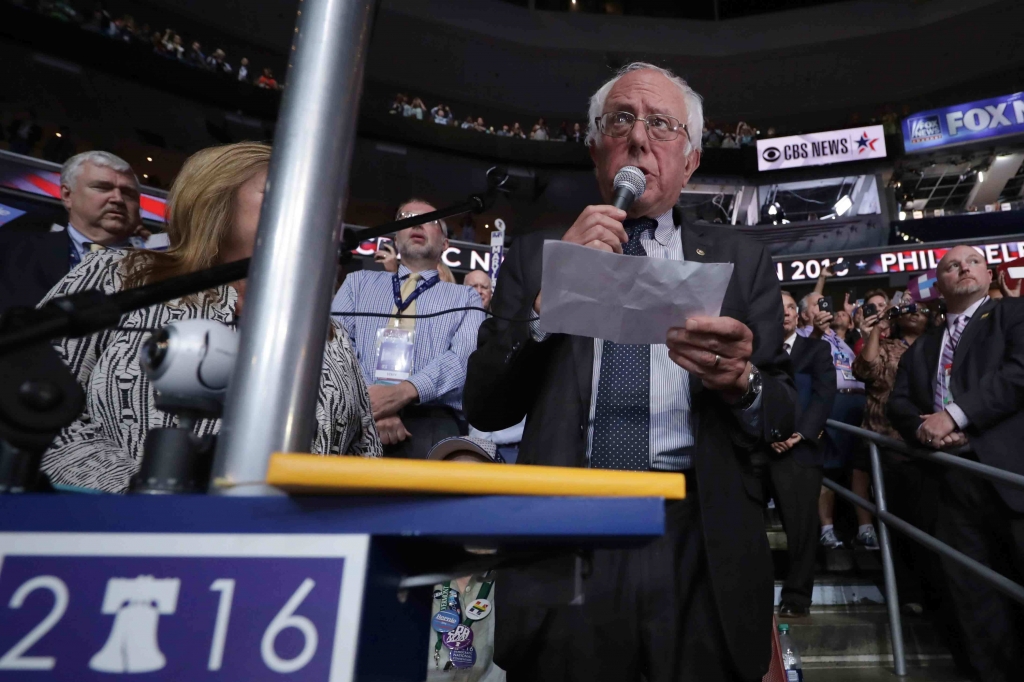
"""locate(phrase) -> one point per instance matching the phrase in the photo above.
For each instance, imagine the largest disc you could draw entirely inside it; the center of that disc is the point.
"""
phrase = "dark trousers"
(796, 489)
(847, 408)
(428, 425)
(974, 519)
(649, 614)
(912, 493)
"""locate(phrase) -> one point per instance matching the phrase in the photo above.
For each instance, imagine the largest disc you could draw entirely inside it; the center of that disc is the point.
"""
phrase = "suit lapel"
(54, 260)
(932, 349)
(697, 243)
(972, 329)
(697, 247)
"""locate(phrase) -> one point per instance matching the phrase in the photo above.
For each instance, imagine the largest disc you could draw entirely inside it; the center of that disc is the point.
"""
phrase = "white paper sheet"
(625, 299)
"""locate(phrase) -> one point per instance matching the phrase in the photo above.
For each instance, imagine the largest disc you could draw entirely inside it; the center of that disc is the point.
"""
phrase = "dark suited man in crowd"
(101, 194)
(964, 384)
(697, 602)
(795, 466)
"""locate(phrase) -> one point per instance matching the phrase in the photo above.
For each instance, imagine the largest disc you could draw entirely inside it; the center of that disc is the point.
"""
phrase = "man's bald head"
(963, 277)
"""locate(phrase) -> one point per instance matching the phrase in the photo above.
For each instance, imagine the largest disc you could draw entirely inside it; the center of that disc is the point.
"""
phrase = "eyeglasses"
(660, 127)
(403, 215)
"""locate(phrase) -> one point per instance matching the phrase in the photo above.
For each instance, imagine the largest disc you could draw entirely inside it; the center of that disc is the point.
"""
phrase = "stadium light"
(903, 215)
(843, 205)
(772, 210)
(981, 176)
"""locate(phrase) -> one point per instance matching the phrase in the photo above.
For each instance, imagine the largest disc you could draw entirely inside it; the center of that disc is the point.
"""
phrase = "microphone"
(629, 184)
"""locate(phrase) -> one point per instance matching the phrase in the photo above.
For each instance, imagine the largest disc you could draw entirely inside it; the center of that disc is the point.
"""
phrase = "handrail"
(949, 458)
(886, 520)
(1008, 587)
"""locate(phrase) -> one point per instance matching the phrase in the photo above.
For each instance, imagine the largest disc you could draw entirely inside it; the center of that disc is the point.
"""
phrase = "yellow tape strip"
(361, 475)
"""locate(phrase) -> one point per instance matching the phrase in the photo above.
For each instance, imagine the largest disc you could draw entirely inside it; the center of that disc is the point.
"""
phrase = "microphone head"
(632, 178)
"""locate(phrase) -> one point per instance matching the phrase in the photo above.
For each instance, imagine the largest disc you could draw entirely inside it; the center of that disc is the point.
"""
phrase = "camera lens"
(155, 350)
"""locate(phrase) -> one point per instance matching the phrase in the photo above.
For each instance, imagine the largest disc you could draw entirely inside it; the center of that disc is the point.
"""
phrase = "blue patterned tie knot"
(635, 229)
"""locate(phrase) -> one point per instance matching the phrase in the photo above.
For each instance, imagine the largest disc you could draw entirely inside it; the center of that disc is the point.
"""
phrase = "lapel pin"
(700, 252)
(984, 316)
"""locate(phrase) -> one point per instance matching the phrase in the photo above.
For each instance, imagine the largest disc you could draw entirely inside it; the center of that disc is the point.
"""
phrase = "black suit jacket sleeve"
(999, 393)
(903, 412)
(823, 390)
(507, 362)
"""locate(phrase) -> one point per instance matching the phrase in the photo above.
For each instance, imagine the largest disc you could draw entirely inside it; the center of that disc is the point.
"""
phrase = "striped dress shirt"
(443, 344)
(673, 431)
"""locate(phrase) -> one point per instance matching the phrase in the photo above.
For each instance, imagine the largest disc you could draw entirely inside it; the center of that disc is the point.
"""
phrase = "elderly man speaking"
(696, 604)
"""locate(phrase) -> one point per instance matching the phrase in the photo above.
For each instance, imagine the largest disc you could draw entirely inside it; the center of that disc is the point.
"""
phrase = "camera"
(192, 359)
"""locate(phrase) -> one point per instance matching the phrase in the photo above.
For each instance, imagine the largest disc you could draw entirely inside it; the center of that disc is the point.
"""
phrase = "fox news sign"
(962, 123)
(819, 149)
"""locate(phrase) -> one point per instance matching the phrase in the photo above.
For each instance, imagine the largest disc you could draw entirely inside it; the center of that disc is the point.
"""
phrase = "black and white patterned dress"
(102, 449)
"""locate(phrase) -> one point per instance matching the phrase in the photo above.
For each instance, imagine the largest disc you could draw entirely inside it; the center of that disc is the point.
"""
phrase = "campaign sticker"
(458, 639)
(478, 610)
(445, 621)
(463, 658)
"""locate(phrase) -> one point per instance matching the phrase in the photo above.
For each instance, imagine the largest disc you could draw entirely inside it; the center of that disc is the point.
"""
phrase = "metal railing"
(886, 521)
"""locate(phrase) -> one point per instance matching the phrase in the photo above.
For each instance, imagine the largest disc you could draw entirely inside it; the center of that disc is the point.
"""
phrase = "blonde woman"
(213, 210)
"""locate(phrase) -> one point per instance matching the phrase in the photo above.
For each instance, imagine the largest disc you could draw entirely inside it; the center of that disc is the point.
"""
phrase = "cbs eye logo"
(771, 154)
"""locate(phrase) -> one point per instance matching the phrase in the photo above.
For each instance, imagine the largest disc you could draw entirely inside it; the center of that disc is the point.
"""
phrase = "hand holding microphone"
(600, 226)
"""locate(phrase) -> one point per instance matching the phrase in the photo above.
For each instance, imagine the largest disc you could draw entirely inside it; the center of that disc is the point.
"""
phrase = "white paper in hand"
(625, 299)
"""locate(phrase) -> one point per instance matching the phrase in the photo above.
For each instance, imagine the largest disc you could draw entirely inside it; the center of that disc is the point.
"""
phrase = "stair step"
(839, 591)
(859, 636)
(931, 673)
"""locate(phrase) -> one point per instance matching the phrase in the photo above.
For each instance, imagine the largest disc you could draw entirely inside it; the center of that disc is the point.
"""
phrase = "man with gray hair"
(695, 603)
(101, 194)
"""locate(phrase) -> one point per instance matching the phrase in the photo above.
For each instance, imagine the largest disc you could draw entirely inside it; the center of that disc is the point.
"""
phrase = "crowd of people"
(441, 114)
(886, 364)
(712, 136)
(167, 43)
(415, 368)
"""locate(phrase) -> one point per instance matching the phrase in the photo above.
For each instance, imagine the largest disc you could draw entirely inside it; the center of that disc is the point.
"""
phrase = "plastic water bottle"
(790, 656)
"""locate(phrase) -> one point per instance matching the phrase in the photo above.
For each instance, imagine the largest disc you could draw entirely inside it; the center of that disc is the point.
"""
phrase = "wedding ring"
(717, 359)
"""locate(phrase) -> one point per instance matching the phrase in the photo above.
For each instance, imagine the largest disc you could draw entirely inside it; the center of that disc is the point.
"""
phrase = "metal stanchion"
(272, 402)
(891, 596)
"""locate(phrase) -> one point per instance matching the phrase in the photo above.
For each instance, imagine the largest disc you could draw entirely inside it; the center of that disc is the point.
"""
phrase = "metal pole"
(272, 401)
(892, 602)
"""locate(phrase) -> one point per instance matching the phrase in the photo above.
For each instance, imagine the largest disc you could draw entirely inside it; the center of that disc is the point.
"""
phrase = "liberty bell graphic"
(137, 604)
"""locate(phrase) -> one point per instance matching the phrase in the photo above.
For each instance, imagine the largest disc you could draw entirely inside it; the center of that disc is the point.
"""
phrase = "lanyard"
(423, 286)
(482, 593)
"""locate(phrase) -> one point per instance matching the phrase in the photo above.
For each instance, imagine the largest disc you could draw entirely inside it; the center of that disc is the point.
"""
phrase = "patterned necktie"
(622, 420)
(942, 396)
(786, 347)
(408, 286)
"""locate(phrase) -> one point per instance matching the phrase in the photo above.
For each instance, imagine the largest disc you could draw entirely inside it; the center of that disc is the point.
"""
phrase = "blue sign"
(963, 123)
(82, 606)
(9, 213)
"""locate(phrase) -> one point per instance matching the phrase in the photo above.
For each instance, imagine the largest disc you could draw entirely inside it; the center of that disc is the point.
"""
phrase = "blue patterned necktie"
(622, 420)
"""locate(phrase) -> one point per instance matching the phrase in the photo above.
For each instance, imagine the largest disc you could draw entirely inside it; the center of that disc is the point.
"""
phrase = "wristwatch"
(753, 389)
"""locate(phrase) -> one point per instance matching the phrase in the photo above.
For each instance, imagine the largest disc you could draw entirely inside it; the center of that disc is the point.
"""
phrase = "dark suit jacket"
(31, 263)
(511, 376)
(815, 377)
(987, 383)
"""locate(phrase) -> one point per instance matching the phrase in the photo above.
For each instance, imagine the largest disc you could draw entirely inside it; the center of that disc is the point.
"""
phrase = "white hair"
(694, 104)
(72, 168)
